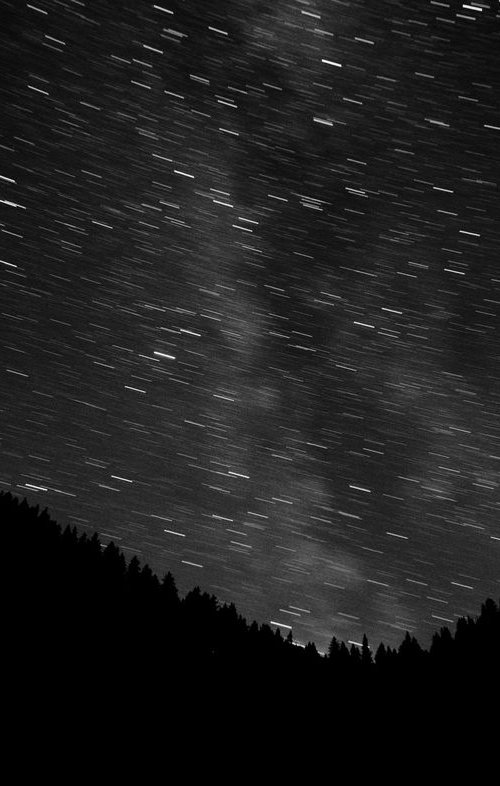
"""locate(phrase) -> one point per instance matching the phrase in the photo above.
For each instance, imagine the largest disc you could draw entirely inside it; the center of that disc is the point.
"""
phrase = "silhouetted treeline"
(475, 644)
(83, 619)
(77, 602)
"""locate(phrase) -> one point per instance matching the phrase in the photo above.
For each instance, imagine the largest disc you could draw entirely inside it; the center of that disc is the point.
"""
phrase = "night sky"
(250, 297)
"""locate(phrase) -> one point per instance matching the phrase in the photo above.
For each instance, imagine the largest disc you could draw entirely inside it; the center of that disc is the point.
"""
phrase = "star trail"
(250, 297)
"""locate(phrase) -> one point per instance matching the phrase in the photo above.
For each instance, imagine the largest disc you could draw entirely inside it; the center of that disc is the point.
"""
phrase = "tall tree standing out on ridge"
(366, 654)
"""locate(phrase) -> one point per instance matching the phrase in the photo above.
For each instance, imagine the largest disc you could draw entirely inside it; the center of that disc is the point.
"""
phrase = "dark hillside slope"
(99, 637)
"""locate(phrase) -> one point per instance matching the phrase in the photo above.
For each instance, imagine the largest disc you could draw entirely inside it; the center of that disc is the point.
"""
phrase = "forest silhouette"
(92, 633)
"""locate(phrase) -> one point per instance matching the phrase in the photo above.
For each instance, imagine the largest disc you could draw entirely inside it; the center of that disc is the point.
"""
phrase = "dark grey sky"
(249, 297)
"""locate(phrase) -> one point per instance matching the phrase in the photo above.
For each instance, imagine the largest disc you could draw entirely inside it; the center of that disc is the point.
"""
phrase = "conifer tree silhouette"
(366, 653)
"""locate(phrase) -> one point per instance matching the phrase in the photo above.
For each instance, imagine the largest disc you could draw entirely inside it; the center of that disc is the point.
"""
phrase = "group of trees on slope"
(79, 608)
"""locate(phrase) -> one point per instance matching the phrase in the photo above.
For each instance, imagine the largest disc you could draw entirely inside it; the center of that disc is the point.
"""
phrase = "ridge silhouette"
(99, 637)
